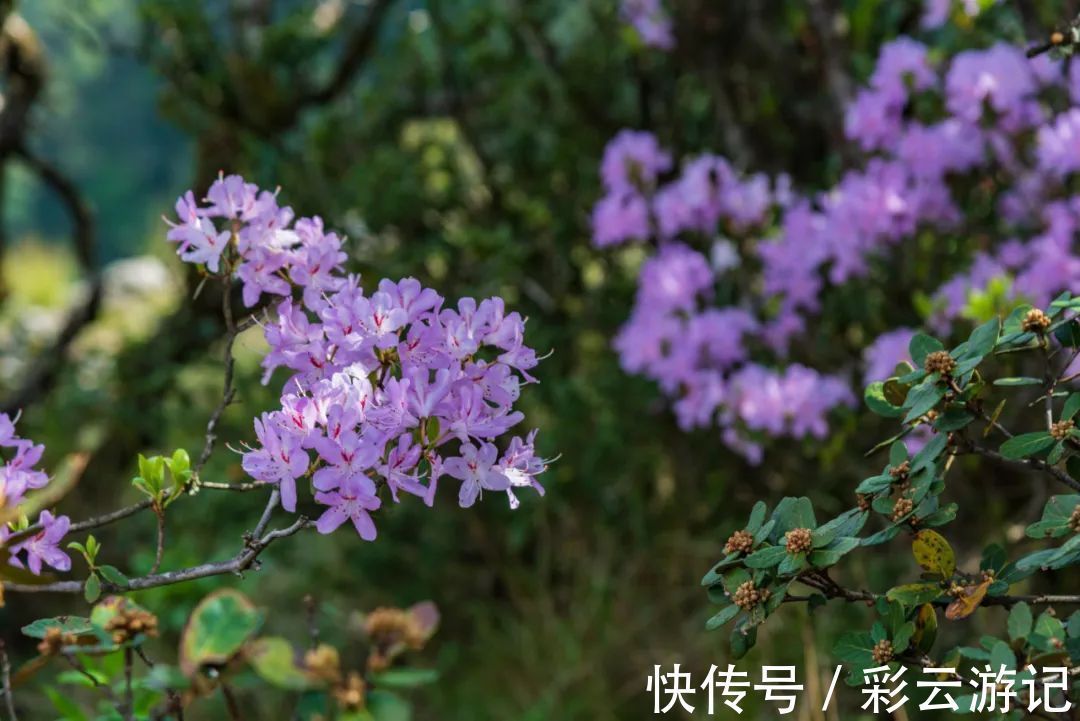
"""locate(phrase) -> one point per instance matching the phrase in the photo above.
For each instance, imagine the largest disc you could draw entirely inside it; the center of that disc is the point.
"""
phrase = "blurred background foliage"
(456, 141)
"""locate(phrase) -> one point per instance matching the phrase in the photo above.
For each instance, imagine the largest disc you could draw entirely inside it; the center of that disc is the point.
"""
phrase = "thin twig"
(230, 703)
(1033, 464)
(160, 551)
(228, 392)
(104, 688)
(105, 519)
(129, 691)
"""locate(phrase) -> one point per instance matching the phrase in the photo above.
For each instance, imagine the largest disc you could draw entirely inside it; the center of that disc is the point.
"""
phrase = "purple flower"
(367, 371)
(44, 546)
(351, 501)
(475, 468)
(280, 460)
(521, 466)
(999, 76)
(633, 160)
(620, 217)
(259, 274)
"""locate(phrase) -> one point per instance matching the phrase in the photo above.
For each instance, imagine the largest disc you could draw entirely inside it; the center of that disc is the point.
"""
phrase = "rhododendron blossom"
(17, 476)
(387, 387)
(995, 117)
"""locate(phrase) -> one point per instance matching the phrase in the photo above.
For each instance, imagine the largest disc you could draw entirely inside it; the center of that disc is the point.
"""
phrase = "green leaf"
(77, 625)
(902, 637)
(898, 453)
(855, 648)
(92, 588)
(933, 553)
(826, 557)
(848, 523)
(278, 663)
(794, 513)
(1036, 560)
(1020, 621)
(765, 557)
(113, 575)
(983, 339)
(1068, 334)
(387, 706)
(411, 677)
(725, 615)
(922, 399)
(875, 399)
(792, 564)
(922, 345)
(742, 641)
(953, 418)
(1018, 381)
(221, 623)
(68, 708)
(1026, 444)
(1001, 656)
(914, 594)
(757, 517)
(1072, 406)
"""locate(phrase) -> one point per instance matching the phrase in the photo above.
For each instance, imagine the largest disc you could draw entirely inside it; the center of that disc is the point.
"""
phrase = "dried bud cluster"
(1074, 519)
(940, 362)
(902, 507)
(351, 694)
(883, 651)
(862, 501)
(1035, 322)
(739, 542)
(54, 641)
(798, 540)
(1060, 430)
(130, 622)
(391, 631)
(747, 596)
(390, 626)
(900, 471)
(324, 663)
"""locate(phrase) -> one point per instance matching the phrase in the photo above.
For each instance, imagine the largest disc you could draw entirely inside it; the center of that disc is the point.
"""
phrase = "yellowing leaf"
(966, 604)
(219, 626)
(925, 628)
(934, 553)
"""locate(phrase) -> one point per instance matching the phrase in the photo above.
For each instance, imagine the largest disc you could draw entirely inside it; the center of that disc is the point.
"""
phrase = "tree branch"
(246, 559)
(46, 367)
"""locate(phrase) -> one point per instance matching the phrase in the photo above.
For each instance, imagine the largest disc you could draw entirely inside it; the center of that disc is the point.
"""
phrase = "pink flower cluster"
(17, 476)
(933, 136)
(389, 388)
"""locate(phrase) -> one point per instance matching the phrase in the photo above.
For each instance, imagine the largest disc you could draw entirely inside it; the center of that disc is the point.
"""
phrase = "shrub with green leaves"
(950, 407)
